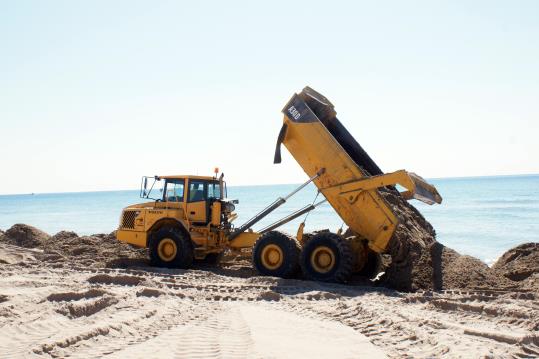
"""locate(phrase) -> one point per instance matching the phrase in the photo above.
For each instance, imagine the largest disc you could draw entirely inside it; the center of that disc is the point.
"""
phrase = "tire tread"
(291, 250)
(345, 263)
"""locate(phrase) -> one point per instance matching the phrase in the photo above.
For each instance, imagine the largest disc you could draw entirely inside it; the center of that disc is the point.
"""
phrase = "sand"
(64, 298)
(98, 250)
(24, 236)
(417, 261)
(521, 264)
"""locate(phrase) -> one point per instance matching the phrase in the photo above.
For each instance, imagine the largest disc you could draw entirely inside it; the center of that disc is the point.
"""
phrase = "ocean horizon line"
(268, 185)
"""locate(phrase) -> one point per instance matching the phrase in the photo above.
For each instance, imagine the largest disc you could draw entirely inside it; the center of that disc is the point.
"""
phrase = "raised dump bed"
(349, 179)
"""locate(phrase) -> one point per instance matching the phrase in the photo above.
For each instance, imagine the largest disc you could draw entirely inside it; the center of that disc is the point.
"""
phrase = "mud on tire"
(341, 262)
(184, 249)
(276, 254)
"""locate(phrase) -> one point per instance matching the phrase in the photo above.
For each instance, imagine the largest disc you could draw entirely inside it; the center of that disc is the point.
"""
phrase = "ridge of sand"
(417, 261)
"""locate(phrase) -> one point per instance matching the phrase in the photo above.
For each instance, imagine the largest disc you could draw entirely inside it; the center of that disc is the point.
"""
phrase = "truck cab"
(198, 196)
(187, 206)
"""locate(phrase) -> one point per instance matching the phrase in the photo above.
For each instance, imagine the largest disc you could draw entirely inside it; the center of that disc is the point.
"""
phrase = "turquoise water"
(482, 216)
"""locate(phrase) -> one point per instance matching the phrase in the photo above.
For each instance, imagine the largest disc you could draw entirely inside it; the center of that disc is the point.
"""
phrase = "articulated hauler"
(192, 218)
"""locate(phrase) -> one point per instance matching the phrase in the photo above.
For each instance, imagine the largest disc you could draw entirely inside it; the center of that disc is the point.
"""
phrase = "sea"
(479, 216)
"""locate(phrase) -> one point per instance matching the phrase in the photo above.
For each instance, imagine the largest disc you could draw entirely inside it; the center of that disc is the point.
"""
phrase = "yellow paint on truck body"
(209, 234)
(350, 190)
(135, 238)
(314, 148)
(137, 220)
(244, 240)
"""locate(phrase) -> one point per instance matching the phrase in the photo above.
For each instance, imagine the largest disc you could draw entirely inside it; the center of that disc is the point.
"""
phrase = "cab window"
(174, 192)
(198, 190)
(214, 190)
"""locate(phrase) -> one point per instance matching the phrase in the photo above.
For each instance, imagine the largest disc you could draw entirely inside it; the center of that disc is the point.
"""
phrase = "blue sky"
(95, 94)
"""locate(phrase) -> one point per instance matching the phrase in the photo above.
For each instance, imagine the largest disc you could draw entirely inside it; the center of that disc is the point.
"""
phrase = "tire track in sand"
(420, 329)
(215, 331)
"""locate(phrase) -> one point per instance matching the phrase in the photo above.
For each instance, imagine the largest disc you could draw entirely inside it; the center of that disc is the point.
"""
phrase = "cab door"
(174, 198)
(197, 201)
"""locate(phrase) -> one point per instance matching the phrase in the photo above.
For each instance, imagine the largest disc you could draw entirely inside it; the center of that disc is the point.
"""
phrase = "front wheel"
(276, 254)
(327, 257)
(171, 248)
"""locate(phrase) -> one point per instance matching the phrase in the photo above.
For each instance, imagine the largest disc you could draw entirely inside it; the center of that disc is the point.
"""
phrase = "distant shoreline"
(269, 185)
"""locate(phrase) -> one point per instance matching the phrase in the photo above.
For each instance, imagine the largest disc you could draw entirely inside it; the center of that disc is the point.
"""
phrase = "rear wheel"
(171, 248)
(276, 254)
(327, 257)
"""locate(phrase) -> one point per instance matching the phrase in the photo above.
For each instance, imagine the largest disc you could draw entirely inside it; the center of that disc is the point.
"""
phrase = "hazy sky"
(95, 94)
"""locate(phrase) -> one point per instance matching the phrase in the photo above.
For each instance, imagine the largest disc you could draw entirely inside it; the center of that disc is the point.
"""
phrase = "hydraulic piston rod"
(278, 202)
(291, 217)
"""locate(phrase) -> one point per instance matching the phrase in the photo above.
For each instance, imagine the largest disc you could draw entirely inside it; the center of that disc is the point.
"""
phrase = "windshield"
(174, 192)
(152, 188)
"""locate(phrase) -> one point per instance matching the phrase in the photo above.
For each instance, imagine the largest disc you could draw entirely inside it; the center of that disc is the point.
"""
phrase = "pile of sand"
(66, 248)
(520, 264)
(452, 270)
(25, 236)
(418, 261)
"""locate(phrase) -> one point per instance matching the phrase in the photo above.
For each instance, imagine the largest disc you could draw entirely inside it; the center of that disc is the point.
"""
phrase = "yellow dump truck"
(192, 218)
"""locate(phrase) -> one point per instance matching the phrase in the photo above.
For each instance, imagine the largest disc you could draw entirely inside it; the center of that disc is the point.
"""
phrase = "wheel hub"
(167, 249)
(323, 259)
(272, 256)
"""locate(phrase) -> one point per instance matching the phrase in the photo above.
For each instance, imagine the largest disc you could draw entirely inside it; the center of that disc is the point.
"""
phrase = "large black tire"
(276, 254)
(184, 253)
(339, 265)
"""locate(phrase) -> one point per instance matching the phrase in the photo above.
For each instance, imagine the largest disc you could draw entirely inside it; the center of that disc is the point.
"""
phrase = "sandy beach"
(91, 304)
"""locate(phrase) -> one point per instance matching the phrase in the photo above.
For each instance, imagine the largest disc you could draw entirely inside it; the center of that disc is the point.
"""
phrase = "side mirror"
(222, 186)
(145, 186)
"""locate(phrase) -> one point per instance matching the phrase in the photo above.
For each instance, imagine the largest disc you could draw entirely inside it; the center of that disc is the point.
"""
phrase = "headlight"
(229, 207)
